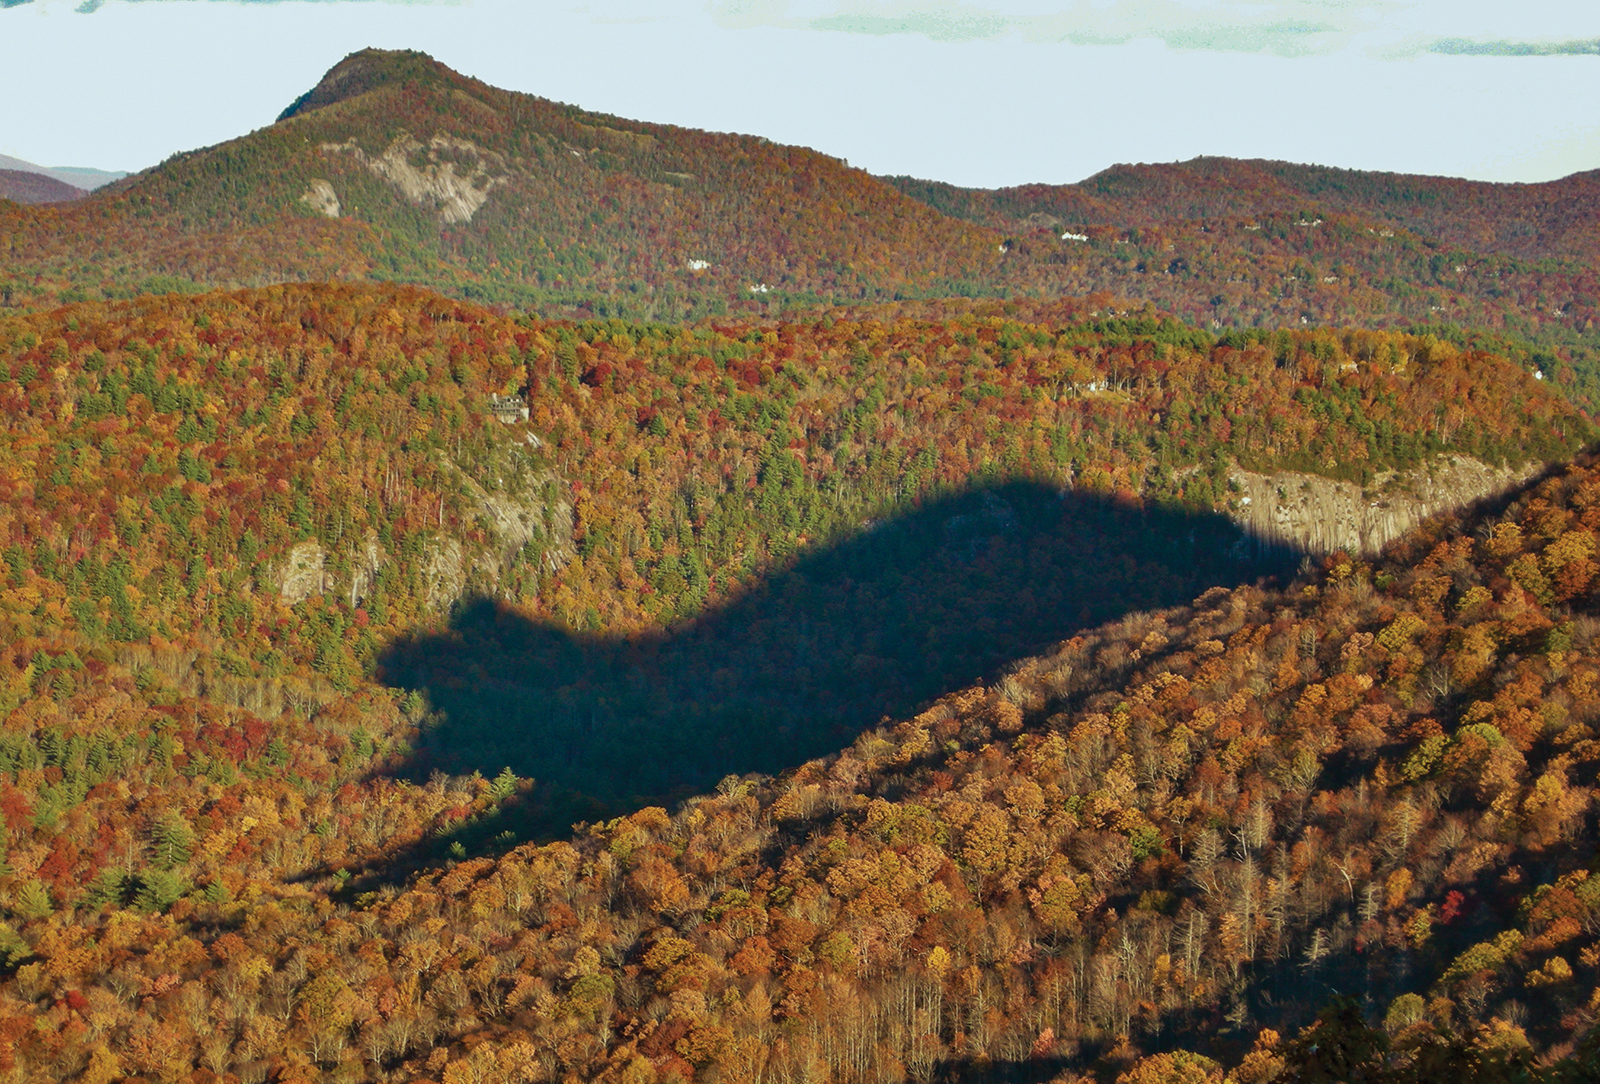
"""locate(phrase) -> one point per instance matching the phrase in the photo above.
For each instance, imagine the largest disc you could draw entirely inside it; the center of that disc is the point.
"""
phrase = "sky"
(982, 93)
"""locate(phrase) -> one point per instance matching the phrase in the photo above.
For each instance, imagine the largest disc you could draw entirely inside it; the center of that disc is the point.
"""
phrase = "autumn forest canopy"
(492, 592)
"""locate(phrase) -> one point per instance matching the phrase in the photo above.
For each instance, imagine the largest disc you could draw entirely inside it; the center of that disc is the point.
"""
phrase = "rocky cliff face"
(452, 176)
(1322, 515)
(528, 517)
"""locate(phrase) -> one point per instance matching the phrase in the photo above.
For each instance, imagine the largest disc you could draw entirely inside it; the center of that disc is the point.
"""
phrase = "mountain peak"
(365, 71)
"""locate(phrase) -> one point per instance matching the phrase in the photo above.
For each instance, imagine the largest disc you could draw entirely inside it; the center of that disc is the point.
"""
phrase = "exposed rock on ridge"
(457, 186)
(1322, 515)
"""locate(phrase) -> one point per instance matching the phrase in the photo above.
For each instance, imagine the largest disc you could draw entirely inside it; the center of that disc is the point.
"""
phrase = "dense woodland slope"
(396, 168)
(300, 638)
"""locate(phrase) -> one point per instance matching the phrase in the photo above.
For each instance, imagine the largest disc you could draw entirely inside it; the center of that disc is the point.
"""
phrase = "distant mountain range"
(24, 187)
(1526, 220)
(396, 168)
(81, 178)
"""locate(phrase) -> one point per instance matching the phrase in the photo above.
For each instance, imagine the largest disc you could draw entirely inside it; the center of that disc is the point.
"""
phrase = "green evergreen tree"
(159, 890)
(170, 840)
(33, 901)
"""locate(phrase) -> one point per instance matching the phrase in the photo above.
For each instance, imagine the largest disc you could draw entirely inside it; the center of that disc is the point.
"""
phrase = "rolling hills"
(1230, 243)
(1533, 221)
(80, 177)
(396, 168)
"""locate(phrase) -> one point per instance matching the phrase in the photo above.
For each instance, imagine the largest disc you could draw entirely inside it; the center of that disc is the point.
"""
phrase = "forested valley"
(908, 661)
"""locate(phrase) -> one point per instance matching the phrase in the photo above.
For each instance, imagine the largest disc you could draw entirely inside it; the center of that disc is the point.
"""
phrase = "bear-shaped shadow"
(804, 659)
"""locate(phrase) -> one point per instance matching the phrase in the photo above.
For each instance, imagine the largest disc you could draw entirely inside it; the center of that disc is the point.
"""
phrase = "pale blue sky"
(978, 92)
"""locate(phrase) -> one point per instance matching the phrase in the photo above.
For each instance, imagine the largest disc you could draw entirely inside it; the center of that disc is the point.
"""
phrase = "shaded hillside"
(1174, 833)
(800, 662)
(217, 513)
(1176, 830)
(29, 188)
(337, 443)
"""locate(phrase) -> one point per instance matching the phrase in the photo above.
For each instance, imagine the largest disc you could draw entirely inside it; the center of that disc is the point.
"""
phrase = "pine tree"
(170, 840)
(33, 901)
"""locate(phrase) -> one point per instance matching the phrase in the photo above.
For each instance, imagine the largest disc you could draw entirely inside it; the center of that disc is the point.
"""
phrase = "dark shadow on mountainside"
(807, 658)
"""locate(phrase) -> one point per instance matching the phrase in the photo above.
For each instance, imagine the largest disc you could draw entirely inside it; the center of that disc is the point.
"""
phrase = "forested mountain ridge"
(1201, 819)
(818, 676)
(396, 168)
(1193, 820)
(332, 420)
(1227, 243)
(1534, 221)
(1207, 817)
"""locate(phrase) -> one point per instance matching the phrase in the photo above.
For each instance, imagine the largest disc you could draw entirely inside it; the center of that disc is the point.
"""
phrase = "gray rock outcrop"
(530, 507)
(454, 176)
(1322, 515)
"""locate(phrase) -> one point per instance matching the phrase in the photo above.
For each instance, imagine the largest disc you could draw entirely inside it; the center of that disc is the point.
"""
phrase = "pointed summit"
(368, 70)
